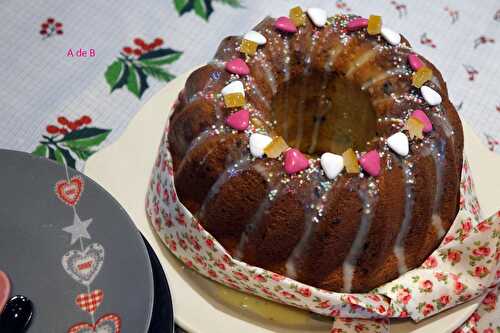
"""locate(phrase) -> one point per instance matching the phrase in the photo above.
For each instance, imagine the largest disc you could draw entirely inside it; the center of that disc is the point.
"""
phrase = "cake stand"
(201, 305)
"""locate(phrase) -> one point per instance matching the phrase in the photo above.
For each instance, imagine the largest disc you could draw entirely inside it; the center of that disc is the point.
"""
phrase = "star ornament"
(78, 229)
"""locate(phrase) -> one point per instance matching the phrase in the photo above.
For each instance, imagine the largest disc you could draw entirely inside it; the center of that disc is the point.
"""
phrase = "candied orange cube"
(421, 76)
(415, 128)
(350, 161)
(297, 16)
(276, 147)
(234, 100)
(374, 24)
(248, 47)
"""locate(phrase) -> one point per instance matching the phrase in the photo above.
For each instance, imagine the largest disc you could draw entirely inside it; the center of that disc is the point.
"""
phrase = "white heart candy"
(233, 87)
(390, 36)
(257, 144)
(431, 96)
(399, 143)
(332, 164)
(318, 16)
(255, 37)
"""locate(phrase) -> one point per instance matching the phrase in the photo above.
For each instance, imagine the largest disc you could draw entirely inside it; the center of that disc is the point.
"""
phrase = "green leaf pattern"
(202, 8)
(133, 72)
(76, 145)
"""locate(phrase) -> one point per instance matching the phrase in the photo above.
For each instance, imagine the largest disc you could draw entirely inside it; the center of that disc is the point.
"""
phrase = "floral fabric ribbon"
(464, 266)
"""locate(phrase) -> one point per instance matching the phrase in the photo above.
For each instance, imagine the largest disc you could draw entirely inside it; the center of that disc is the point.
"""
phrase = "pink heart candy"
(239, 120)
(295, 161)
(237, 66)
(415, 62)
(420, 115)
(370, 162)
(4, 289)
(357, 24)
(284, 24)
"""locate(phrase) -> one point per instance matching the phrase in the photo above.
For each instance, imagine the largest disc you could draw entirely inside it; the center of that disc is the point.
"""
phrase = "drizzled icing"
(278, 44)
(399, 249)
(368, 194)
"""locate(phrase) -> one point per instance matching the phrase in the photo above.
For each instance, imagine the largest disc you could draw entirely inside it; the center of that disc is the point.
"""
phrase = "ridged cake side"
(352, 233)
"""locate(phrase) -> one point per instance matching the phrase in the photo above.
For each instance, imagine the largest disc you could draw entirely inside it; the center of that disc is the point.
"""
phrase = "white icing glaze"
(399, 247)
(368, 195)
(437, 150)
(222, 179)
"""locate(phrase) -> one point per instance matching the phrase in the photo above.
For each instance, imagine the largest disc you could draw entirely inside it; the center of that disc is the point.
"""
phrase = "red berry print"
(471, 71)
(50, 28)
(483, 40)
(400, 7)
(63, 120)
(158, 42)
(51, 129)
(143, 47)
(342, 5)
(139, 42)
(86, 120)
(452, 13)
(424, 40)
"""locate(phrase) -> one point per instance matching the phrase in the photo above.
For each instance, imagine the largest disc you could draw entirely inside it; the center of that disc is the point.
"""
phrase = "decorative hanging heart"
(83, 266)
(109, 323)
(90, 301)
(4, 289)
(70, 192)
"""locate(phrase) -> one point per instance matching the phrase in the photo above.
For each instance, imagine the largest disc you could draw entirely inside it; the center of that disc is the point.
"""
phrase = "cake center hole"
(323, 112)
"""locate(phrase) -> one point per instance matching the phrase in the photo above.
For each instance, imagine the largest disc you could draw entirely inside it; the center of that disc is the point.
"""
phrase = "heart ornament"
(83, 266)
(4, 289)
(70, 191)
(109, 323)
(90, 301)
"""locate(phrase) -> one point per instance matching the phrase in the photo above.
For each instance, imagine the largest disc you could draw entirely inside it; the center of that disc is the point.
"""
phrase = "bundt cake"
(321, 148)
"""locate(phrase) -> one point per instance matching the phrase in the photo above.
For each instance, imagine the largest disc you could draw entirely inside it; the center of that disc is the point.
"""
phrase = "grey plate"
(33, 244)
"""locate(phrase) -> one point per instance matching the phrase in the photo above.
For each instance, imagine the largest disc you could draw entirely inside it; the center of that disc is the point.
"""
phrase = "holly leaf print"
(160, 57)
(66, 143)
(232, 3)
(116, 74)
(41, 150)
(63, 156)
(136, 81)
(86, 137)
(158, 73)
(183, 6)
(203, 8)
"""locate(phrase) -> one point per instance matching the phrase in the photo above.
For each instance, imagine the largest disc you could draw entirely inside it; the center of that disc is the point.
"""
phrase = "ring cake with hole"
(323, 149)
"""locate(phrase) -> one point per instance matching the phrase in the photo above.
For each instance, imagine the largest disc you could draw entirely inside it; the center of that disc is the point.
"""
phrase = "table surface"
(65, 92)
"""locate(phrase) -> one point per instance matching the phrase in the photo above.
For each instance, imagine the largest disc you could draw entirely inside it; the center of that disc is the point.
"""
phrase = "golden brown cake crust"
(305, 225)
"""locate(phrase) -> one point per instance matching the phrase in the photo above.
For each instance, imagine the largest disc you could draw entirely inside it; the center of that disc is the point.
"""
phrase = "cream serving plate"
(201, 305)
